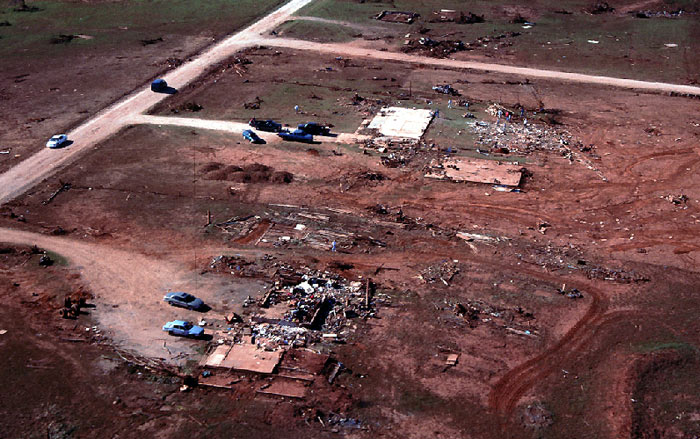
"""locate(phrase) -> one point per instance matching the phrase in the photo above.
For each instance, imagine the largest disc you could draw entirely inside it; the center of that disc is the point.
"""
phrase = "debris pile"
(254, 104)
(192, 107)
(241, 267)
(573, 293)
(62, 39)
(536, 416)
(317, 309)
(446, 89)
(443, 272)
(656, 14)
(453, 16)
(516, 320)
(678, 200)
(616, 275)
(501, 40)
(525, 139)
(149, 41)
(238, 227)
(429, 47)
(172, 62)
(600, 8)
(397, 16)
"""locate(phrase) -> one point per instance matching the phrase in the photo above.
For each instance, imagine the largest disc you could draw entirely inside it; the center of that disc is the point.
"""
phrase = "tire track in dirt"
(628, 169)
(516, 382)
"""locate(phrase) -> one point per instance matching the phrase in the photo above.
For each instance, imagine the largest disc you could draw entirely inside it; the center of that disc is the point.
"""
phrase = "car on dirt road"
(296, 136)
(57, 141)
(250, 136)
(183, 328)
(265, 125)
(314, 128)
(184, 300)
(159, 85)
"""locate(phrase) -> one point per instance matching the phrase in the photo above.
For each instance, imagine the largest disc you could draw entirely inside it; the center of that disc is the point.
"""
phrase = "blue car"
(183, 300)
(183, 329)
(297, 136)
(250, 136)
(265, 125)
(159, 85)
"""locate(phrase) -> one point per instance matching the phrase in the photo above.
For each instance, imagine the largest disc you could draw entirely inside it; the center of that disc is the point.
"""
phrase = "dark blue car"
(265, 125)
(297, 136)
(159, 85)
(184, 300)
(314, 128)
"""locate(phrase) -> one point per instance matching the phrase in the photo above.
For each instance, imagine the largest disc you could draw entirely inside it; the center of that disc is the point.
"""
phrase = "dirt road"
(129, 288)
(109, 121)
(119, 281)
(350, 50)
(234, 127)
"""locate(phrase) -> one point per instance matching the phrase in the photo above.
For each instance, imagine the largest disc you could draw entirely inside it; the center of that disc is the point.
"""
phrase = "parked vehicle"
(265, 125)
(446, 89)
(159, 85)
(57, 141)
(250, 136)
(296, 136)
(183, 329)
(183, 300)
(314, 128)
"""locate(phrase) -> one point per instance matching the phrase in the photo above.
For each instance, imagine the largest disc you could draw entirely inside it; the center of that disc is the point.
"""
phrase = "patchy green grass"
(115, 23)
(57, 258)
(627, 46)
(317, 31)
(419, 400)
(342, 10)
(656, 346)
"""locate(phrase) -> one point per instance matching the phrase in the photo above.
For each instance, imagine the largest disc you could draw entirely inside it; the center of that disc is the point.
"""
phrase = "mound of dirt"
(253, 173)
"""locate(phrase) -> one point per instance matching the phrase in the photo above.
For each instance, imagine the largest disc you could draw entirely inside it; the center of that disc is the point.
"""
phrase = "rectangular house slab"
(477, 171)
(401, 123)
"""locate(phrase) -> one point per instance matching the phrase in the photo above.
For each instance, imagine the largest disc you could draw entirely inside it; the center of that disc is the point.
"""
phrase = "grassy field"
(627, 46)
(117, 23)
(316, 31)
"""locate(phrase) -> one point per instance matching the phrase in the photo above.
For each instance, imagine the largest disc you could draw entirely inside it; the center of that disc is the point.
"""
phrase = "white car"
(57, 141)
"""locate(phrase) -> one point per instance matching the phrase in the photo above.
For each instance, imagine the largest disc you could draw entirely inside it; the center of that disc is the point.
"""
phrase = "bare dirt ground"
(608, 206)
